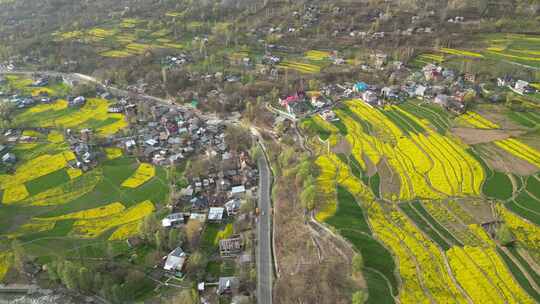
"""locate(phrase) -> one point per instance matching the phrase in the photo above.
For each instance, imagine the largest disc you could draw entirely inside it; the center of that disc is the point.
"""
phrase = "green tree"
(359, 297)
(52, 271)
(159, 239)
(69, 275)
(85, 279)
(357, 263)
(308, 197)
(174, 239)
(505, 235)
(117, 293)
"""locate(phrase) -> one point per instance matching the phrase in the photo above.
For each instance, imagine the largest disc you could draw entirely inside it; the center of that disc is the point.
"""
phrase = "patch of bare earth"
(479, 209)
(501, 160)
(473, 136)
(371, 169)
(311, 270)
(390, 181)
(343, 146)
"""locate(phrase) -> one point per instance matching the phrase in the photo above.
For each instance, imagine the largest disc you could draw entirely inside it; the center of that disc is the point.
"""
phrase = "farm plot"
(484, 276)
(299, 66)
(527, 234)
(510, 145)
(515, 48)
(94, 114)
(144, 173)
(421, 264)
(429, 164)
(129, 36)
(350, 222)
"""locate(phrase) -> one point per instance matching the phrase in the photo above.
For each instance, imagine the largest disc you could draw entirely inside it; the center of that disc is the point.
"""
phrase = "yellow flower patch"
(521, 150)
(32, 227)
(43, 107)
(144, 173)
(42, 91)
(14, 194)
(300, 67)
(476, 120)
(317, 55)
(420, 263)
(98, 212)
(116, 53)
(525, 232)
(484, 276)
(91, 228)
(73, 172)
(31, 133)
(55, 137)
(114, 127)
(67, 192)
(113, 153)
(461, 53)
(125, 231)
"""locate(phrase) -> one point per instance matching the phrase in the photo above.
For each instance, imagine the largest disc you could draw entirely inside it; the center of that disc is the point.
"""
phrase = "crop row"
(421, 264)
(483, 275)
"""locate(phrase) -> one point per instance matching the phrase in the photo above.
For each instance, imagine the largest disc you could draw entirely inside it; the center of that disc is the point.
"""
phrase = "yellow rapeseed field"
(43, 107)
(144, 173)
(32, 227)
(55, 137)
(125, 231)
(91, 228)
(67, 192)
(103, 211)
(113, 153)
(525, 232)
(430, 165)
(484, 276)
(73, 172)
(15, 193)
(421, 263)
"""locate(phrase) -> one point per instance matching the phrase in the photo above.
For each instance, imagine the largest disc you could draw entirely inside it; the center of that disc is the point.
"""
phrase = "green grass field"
(55, 194)
(349, 221)
(498, 186)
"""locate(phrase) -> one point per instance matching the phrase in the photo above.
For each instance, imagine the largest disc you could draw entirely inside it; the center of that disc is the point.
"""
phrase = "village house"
(175, 260)
(173, 220)
(77, 101)
(228, 285)
(215, 214)
(232, 207)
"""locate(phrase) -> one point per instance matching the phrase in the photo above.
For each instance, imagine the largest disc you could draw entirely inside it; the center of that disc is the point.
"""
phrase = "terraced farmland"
(52, 207)
(433, 205)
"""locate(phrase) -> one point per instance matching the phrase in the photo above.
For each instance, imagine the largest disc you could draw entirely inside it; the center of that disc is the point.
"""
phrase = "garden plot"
(130, 36)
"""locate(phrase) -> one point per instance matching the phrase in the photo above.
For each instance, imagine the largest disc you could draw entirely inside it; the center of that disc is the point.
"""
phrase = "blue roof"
(361, 86)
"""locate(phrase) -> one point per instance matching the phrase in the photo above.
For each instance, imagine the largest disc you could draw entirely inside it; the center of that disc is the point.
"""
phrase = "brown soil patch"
(310, 270)
(371, 167)
(343, 146)
(501, 160)
(472, 136)
(479, 209)
(390, 181)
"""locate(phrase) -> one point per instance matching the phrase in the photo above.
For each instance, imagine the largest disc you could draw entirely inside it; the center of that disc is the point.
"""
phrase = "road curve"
(264, 229)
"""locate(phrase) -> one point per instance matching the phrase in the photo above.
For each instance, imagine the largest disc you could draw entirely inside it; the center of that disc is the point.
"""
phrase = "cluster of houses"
(170, 134)
(433, 84)
(518, 86)
(215, 198)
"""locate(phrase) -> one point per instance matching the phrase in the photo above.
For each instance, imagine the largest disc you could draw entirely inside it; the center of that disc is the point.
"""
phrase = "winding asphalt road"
(264, 229)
